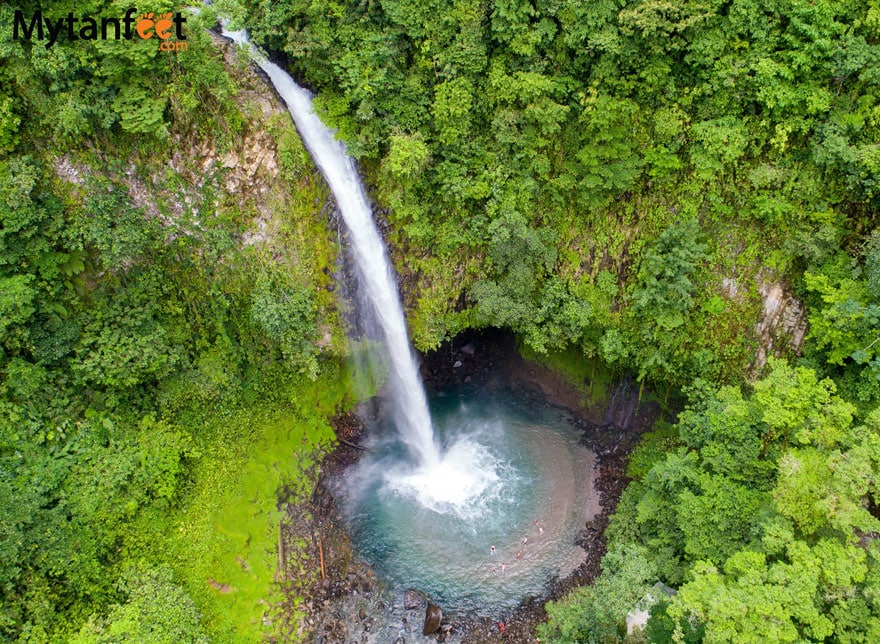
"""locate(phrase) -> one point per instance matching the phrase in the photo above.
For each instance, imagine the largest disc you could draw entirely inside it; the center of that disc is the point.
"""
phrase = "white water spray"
(410, 408)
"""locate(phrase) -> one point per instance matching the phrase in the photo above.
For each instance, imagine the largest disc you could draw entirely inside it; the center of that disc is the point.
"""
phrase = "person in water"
(538, 525)
(492, 549)
(525, 540)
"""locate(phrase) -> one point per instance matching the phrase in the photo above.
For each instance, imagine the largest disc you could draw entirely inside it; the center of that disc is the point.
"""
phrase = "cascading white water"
(410, 408)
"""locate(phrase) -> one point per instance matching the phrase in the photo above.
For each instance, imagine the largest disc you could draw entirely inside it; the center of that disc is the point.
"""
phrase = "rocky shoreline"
(331, 597)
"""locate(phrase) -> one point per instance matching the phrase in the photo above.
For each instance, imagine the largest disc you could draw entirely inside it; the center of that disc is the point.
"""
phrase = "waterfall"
(623, 405)
(409, 405)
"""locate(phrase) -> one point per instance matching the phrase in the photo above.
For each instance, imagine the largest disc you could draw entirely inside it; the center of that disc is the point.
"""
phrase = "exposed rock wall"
(782, 325)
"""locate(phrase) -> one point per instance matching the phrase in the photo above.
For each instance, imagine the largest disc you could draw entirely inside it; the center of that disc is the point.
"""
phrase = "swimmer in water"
(525, 540)
(503, 567)
(538, 525)
(519, 554)
(492, 549)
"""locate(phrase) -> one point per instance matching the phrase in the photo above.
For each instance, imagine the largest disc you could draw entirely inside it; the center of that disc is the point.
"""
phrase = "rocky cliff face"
(193, 179)
(783, 322)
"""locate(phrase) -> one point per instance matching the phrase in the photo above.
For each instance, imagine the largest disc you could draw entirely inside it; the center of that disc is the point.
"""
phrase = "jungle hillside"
(685, 195)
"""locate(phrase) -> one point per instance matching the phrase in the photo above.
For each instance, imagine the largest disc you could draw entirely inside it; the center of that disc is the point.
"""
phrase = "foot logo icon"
(147, 26)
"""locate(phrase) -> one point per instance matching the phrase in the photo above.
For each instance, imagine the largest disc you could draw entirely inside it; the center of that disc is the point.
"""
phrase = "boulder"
(433, 615)
(413, 599)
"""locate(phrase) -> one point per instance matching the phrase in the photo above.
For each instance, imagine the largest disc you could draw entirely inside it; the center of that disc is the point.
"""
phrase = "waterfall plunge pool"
(509, 461)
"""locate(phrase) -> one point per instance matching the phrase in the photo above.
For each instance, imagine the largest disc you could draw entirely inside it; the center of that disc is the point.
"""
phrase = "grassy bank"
(222, 540)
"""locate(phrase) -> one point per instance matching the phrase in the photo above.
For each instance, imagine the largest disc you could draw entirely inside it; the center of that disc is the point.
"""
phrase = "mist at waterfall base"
(507, 462)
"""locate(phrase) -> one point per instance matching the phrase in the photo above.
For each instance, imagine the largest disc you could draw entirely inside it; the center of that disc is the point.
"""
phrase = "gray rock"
(433, 615)
(413, 599)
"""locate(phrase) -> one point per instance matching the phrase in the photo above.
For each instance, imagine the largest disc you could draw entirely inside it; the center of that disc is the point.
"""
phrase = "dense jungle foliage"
(160, 377)
(587, 173)
(611, 180)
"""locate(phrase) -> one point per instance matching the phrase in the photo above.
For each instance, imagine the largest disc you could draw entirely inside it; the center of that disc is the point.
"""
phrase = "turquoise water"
(508, 463)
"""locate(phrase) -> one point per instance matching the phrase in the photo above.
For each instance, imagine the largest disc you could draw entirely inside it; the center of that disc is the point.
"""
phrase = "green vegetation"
(539, 148)
(166, 372)
(227, 528)
(615, 182)
(762, 516)
(593, 612)
(625, 183)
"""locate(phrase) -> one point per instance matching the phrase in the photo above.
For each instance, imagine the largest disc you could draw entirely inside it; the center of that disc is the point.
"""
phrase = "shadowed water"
(509, 462)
